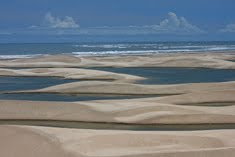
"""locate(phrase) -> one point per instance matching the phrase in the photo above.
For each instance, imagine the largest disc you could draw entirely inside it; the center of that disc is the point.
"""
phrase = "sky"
(134, 20)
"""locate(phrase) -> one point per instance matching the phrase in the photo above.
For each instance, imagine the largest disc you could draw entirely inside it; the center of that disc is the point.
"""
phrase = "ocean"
(28, 50)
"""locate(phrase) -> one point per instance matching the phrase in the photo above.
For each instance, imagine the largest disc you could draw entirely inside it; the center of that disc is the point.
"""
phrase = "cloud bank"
(172, 25)
(175, 24)
(229, 28)
(59, 23)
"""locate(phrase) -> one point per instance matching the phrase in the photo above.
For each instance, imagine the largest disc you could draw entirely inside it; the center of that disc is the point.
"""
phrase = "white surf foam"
(18, 56)
(100, 53)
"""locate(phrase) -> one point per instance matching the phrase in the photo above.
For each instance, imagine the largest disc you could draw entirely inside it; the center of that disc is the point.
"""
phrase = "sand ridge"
(70, 73)
(190, 60)
(181, 105)
(119, 88)
(127, 112)
(82, 143)
(22, 142)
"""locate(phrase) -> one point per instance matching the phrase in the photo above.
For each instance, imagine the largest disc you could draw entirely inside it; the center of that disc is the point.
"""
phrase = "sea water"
(27, 50)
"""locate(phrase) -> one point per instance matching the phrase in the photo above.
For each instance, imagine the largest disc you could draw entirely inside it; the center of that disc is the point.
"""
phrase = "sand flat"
(179, 105)
(119, 88)
(127, 112)
(82, 143)
(192, 60)
(22, 142)
(70, 73)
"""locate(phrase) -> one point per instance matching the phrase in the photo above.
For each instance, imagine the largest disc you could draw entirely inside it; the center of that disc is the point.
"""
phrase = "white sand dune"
(70, 73)
(203, 60)
(128, 112)
(61, 142)
(186, 104)
(101, 87)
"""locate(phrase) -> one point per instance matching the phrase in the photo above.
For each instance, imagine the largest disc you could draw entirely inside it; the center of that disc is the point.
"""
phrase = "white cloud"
(175, 24)
(56, 22)
(171, 25)
(229, 28)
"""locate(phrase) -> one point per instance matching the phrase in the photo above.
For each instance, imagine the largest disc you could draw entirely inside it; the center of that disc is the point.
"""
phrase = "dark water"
(117, 126)
(64, 97)
(177, 75)
(153, 75)
(27, 83)
(9, 51)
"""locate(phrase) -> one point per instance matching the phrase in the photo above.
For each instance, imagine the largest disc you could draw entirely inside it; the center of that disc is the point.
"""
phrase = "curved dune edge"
(200, 103)
(189, 104)
(70, 73)
(118, 88)
(23, 142)
(63, 142)
(129, 112)
(190, 60)
(211, 99)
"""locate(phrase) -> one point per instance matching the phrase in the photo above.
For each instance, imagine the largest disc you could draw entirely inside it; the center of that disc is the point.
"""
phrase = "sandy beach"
(186, 60)
(200, 117)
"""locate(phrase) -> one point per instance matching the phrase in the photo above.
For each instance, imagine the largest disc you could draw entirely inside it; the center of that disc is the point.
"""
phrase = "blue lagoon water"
(27, 83)
(8, 84)
(176, 75)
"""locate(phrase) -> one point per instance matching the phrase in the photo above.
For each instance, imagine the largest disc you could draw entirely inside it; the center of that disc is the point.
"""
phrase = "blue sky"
(153, 19)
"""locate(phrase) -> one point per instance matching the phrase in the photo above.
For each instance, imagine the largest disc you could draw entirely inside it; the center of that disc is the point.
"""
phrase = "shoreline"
(116, 126)
(119, 55)
(187, 60)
